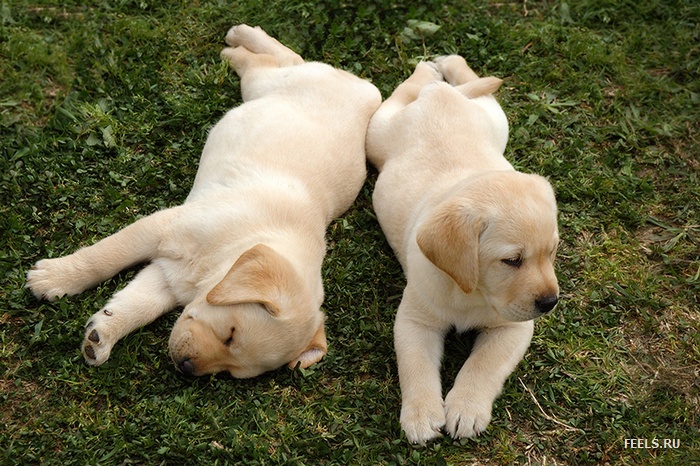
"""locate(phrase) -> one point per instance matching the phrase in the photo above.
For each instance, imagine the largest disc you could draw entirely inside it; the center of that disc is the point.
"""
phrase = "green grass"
(104, 108)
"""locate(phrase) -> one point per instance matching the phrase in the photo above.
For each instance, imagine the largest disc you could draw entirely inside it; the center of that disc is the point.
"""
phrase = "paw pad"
(94, 336)
(89, 351)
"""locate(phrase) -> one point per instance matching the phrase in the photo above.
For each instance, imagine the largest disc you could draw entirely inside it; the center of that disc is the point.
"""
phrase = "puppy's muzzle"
(545, 304)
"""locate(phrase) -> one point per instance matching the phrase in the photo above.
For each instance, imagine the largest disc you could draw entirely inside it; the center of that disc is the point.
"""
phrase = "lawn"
(105, 106)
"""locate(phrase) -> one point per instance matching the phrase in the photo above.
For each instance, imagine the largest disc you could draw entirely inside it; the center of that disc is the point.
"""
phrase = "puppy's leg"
(419, 350)
(379, 139)
(458, 74)
(495, 354)
(243, 60)
(142, 301)
(69, 275)
(408, 90)
(455, 69)
(257, 41)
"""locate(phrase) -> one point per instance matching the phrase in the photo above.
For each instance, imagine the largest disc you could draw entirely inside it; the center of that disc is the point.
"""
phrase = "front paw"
(54, 278)
(422, 419)
(466, 415)
(98, 341)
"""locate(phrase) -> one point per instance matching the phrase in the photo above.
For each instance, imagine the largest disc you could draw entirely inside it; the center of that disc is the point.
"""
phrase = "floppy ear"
(449, 238)
(260, 275)
(314, 352)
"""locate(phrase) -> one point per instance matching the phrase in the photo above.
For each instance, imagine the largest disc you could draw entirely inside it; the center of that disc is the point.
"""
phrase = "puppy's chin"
(519, 313)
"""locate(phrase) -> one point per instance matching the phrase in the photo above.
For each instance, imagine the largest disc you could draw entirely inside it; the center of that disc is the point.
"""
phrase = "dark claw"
(89, 351)
(94, 336)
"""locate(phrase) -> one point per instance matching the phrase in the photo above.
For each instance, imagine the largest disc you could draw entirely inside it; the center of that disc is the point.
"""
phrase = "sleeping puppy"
(475, 238)
(243, 254)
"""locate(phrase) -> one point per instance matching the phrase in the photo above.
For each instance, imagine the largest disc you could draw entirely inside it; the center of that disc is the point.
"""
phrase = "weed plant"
(104, 109)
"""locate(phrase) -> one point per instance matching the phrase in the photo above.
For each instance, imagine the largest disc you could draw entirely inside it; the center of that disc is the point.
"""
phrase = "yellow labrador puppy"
(476, 240)
(243, 253)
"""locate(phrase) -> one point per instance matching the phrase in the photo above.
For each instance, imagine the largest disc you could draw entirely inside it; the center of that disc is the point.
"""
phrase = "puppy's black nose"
(546, 303)
(186, 367)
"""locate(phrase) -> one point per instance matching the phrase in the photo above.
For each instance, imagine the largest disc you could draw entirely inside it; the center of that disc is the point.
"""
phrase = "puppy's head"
(497, 234)
(258, 318)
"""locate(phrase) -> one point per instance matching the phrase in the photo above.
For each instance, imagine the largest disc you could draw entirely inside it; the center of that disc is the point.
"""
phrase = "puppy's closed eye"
(229, 340)
(516, 261)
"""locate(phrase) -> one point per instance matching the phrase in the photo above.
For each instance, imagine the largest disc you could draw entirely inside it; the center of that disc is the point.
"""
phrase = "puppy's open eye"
(514, 261)
(229, 340)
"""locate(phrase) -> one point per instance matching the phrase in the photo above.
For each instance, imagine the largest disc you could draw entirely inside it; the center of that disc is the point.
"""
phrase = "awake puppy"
(475, 238)
(243, 254)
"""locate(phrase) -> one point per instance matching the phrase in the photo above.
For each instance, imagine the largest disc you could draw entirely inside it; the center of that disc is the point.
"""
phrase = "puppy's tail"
(479, 87)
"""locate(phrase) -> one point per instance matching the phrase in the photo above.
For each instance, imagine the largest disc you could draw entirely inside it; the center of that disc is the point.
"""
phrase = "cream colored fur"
(243, 254)
(476, 240)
